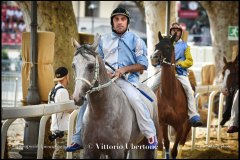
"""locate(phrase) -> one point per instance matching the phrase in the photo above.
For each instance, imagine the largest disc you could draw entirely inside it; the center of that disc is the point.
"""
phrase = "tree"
(57, 17)
(155, 12)
(221, 15)
(4, 54)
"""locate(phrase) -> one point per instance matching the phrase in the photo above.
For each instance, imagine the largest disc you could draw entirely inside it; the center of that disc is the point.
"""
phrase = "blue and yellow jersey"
(183, 57)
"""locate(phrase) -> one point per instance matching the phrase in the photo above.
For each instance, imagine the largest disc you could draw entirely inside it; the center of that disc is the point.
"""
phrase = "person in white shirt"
(59, 121)
(21, 26)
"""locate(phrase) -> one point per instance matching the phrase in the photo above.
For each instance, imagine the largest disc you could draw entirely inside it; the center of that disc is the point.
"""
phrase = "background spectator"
(12, 24)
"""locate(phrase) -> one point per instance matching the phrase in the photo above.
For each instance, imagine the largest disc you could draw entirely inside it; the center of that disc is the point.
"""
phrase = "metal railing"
(10, 114)
(213, 90)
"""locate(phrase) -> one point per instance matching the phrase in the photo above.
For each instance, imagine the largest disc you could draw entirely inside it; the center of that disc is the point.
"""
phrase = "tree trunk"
(155, 12)
(221, 15)
(57, 17)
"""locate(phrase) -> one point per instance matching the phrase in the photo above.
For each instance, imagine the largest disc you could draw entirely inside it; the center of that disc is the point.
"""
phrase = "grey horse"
(109, 124)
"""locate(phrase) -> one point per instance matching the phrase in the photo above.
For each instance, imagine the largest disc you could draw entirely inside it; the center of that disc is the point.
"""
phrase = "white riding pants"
(144, 120)
(234, 112)
(192, 110)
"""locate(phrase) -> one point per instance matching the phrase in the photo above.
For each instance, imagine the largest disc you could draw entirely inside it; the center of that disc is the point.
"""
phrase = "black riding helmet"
(120, 11)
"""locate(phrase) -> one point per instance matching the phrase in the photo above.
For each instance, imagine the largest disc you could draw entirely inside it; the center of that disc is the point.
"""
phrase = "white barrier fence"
(10, 114)
(46, 110)
(213, 90)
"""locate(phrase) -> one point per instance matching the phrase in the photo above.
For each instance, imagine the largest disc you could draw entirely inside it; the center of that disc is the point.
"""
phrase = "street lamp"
(32, 124)
(92, 7)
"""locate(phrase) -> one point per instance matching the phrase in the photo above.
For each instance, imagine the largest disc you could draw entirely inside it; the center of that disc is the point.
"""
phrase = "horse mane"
(86, 47)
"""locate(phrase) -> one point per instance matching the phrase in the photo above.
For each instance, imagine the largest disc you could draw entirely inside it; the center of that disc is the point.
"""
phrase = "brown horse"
(230, 85)
(172, 101)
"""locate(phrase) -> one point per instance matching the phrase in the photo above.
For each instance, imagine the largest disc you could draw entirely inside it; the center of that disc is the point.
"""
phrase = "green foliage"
(4, 54)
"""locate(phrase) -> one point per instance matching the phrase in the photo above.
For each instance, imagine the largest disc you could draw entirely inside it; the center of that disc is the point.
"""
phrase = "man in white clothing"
(59, 122)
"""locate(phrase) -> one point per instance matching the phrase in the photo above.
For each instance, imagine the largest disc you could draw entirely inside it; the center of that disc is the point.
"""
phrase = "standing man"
(59, 121)
(184, 60)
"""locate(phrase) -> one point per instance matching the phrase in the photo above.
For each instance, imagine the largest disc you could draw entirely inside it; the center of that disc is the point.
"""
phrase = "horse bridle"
(232, 88)
(164, 60)
(168, 63)
(95, 79)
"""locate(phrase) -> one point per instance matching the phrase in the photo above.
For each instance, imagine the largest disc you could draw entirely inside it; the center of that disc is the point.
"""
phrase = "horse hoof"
(167, 156)
(232, 129)
(223, 121)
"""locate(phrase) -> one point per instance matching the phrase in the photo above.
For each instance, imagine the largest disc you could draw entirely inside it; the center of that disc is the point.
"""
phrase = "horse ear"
(160, 36)
(224, 60)
(96, 41)
(75, 44)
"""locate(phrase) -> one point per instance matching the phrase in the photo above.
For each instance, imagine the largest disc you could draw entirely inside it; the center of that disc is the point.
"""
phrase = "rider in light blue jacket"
(125, 50)
(127, 53)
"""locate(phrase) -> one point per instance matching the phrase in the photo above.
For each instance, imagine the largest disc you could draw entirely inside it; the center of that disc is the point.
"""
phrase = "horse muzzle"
(79, 101)
(154, 60)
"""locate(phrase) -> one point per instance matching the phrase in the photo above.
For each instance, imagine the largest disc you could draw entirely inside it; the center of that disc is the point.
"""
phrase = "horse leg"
(187, 128)
(227, 110)
(141, 151)
(91, 154)
(179, 134)
(147, 153)
(116, 154)
(160, 140)
(126, 154)
(166, 140)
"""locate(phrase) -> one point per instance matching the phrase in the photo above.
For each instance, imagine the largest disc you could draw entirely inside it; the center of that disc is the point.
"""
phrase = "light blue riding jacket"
(124, 50)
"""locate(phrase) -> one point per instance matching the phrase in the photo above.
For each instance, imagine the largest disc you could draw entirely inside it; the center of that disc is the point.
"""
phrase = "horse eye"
(90, 66)
(74, 69)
